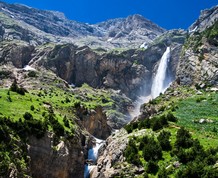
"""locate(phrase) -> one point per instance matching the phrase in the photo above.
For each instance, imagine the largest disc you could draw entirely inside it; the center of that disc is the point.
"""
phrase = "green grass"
(192, 109)
(91, 98)
(14, 105)
(188, 107)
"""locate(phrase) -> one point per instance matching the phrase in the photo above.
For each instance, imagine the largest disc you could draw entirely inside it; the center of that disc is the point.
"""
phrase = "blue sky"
(168, 14)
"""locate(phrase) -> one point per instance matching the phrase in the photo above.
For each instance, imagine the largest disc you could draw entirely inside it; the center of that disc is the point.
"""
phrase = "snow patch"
(194, 30)
(29, 68)
(110, 39)
(144, 45)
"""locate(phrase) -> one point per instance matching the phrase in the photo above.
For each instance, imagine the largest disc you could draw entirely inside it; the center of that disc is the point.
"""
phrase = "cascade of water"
(93, 152)
(160, 82)
(93, 155)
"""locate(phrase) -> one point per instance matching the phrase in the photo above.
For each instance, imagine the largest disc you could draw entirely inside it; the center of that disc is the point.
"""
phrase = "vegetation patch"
(181, 140)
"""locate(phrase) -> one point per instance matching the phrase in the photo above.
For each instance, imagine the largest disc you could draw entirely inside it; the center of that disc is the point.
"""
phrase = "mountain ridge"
(57, 98)
(55, 27)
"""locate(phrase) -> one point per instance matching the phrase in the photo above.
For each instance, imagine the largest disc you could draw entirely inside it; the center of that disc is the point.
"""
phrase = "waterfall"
(161, 82)
(93, 152)
(93, 155)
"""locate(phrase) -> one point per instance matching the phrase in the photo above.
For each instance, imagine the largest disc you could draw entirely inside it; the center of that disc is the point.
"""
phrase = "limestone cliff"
(198, 62)
(54, 158)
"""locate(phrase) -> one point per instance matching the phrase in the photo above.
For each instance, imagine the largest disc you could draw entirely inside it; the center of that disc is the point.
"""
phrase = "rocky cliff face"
(198, 62)
(127, 71)
(50, 157)
(117, 76)
(206, 19)
(95, 122)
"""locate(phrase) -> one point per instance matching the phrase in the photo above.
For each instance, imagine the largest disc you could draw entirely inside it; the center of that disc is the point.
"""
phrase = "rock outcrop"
(16, 55)
(206, 19)
(50, 157)
(95, 122)
(199, 59)
(127, 70)
(113, 153)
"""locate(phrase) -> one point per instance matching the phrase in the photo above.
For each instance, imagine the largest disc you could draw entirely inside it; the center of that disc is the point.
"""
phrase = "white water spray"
(93, 155)
(160, 82)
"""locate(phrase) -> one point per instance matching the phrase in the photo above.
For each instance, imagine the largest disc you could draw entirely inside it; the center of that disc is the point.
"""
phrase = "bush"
(27, 116)
(152, 150)
(128, 128)
(21, 91)
(67, 100)
(162, 173)
(32, 108)
(131, 153)
(163, 139)
(163, 120)
(66, 122)
(156, 124)
(14, 87)
(199, 99)
(57, 127)
(171, 117)
(183, 139)
(37, 128)
(145, 124)
(32, 74)
(152, 167)
(9, 98)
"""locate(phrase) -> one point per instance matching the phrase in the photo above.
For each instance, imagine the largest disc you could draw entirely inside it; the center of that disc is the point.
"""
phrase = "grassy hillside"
(180, 140)
(36, 112)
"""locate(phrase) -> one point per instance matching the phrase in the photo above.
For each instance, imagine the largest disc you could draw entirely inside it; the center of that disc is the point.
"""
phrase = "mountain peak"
(207, 18)
(53, 26)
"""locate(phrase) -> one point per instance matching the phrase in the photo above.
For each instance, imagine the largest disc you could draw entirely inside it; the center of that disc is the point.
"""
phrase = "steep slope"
(133, 30)
(199, 60)
(159, 130)
(37, 27)
(50, 115)
(206, 19)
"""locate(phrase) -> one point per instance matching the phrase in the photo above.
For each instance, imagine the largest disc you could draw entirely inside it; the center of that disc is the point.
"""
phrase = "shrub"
(67, 100)
(152, 150)
(163, 120)
(14, 87)
(27, 116)
(163, 139)
(37, 128)
(152, 167)
(131, 153)
(199, 99)
(156, 124)
(9, 98)
(32, 108)
(66, 122)
(146, 123)
(162, 173)
(183, 138)
(31, 74)
(171, 117)
(128, 128)
(57, 127)
(21, 91)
